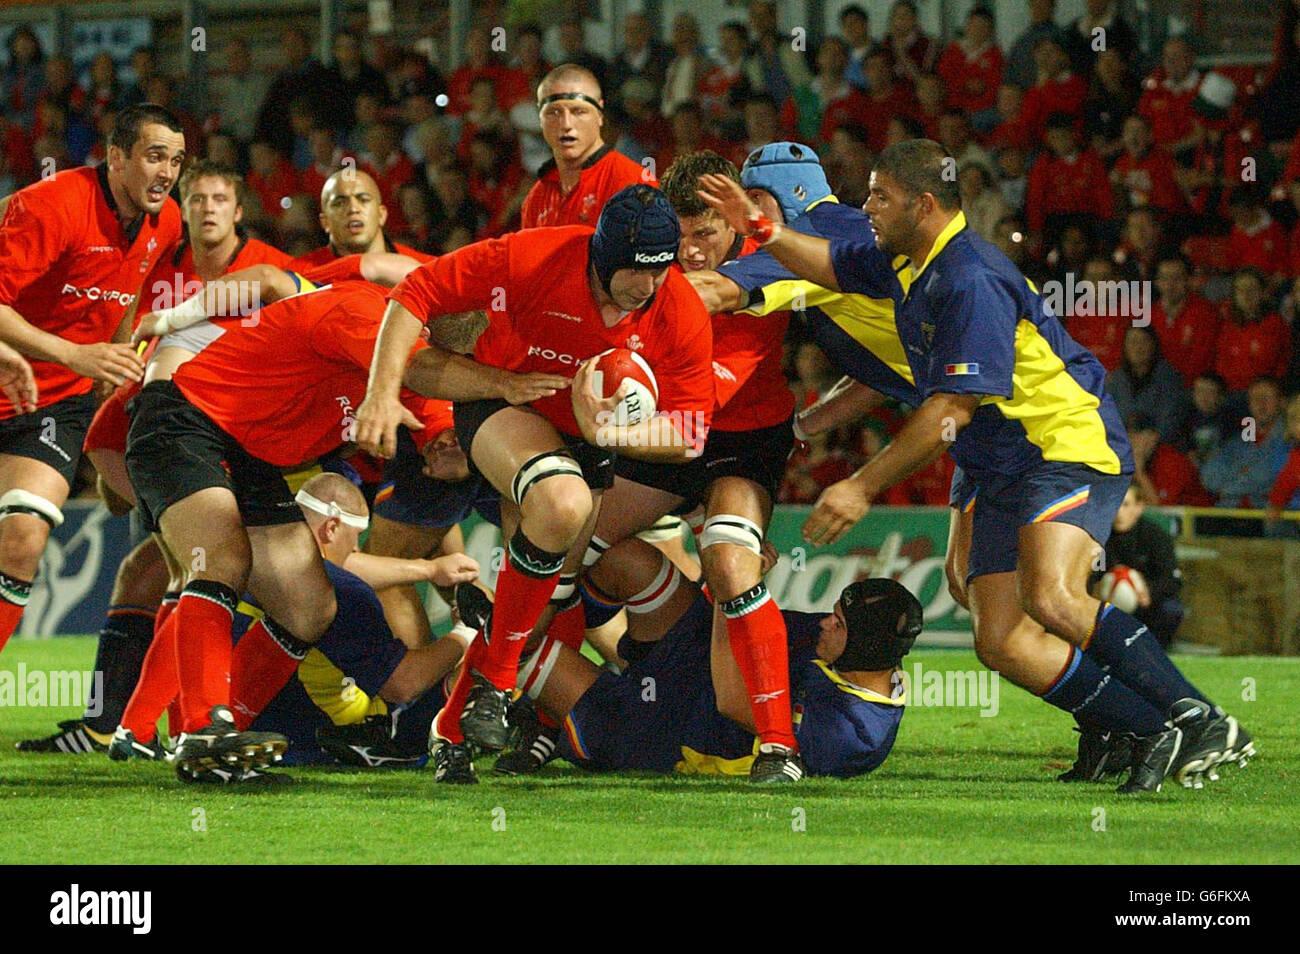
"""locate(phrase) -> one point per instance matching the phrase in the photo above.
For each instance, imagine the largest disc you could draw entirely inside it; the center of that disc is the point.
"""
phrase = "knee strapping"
(24, 501)
(554, 463)
(729, 528)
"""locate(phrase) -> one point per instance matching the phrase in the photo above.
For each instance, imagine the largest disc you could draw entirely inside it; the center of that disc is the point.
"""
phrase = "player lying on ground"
(568, 295)
(1042, 458)
(357, 671)
(734, 481)
(682, 704)
(74, 248)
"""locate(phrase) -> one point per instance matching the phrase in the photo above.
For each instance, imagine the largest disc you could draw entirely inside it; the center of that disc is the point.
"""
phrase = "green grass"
(958, 788)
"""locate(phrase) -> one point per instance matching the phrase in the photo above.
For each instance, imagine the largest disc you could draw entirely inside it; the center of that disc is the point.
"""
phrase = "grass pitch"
(958, 788)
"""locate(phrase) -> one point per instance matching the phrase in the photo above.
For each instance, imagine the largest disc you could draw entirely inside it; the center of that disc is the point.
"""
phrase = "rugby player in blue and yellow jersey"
(1043, 462)
(682, 704)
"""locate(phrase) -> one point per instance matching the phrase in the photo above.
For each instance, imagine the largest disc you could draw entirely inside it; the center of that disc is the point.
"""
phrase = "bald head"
(331, 488)
(569, 77)
(352, 212)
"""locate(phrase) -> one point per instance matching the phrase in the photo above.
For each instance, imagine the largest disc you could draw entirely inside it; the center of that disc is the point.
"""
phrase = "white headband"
(331, 509)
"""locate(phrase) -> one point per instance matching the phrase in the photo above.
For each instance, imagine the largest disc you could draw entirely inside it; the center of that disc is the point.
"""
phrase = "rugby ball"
(617, 365)
(1123, 587)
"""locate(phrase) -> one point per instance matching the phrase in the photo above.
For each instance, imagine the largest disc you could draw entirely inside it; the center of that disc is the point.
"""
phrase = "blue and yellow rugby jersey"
(972, 324)
(661, 715)
(855, 331)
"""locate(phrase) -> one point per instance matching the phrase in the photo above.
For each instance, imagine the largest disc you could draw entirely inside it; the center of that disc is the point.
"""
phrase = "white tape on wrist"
(189, 312)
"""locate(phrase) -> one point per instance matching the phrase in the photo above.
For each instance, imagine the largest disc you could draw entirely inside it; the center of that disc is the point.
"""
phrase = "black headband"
(571, 95)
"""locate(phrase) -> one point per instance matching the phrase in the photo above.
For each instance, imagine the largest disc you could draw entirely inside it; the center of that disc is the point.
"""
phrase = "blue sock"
(414, 718)
(1129, 650)
(1100, 699)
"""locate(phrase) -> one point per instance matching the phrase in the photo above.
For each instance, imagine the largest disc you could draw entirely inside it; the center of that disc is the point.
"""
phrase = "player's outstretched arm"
(806, 256)
(239, 293)
(718, 292)
(844, 403)
(381, 411)
(103, 361)
(931, 429)
(437, 372)
(386, 268)
(382, 572)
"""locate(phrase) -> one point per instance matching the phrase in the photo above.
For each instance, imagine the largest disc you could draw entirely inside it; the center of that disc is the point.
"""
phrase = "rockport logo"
(642, 258)
(134, 908)
(551, 355)
(98, 294)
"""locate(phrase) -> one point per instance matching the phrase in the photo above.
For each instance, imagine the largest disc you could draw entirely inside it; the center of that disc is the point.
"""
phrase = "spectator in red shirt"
(1252, 342)
(1057, 91)
(271, 178)
(1142, 246)
(972, 67)
(1143, 174)
(527, 68)
(1283, 495)
(885, 99)
(351, 75)
(1256, 240)
(931, 97)
(326, 159)
(848, 164)
(389, 167)
(836, 101)
(727, 81)
(1186, 323)
(496, 181)
(1092, 325)
(1066, 181)
(1167, 98)
(1224, 141)
(1164, 476)
(913, 53)
(478, 62)
(1009, 130)
(484, 115)
(689, 135)
(762, 126)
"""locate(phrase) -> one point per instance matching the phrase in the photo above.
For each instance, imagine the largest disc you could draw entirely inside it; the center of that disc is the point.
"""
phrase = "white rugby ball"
(617, 365)
(1123, 587)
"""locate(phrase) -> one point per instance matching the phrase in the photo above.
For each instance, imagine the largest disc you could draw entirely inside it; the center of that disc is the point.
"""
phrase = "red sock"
(13, 600)
(757, 633)
(203, 617)
(569, 627)
(447, 722)
(158, 683)
(265, 658)
(523, 589)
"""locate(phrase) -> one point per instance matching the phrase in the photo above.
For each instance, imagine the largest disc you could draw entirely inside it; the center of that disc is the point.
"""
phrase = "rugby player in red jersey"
(573, 187)
(74, 250)
(734, 481)
(352, 214)
(555, 298)
(214, 245)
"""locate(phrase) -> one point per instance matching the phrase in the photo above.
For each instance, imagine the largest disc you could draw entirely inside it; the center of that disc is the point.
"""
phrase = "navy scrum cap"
(883, 620)
(791, 172)
(637, 229)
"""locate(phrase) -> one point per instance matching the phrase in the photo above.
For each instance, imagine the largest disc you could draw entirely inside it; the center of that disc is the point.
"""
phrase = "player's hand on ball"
(591, 410)
(16, 379)
(729, 199)
(839, 507)
(452, 569)
(114, 363)
(523, 388)
(376, 425)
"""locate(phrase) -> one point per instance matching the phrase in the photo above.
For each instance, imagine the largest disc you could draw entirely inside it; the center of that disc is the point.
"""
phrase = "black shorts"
(53, 435)
(173, 450)
(597, 463)
(758, 455)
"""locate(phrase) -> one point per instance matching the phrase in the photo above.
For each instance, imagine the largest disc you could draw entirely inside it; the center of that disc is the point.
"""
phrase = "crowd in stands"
(1084, 161)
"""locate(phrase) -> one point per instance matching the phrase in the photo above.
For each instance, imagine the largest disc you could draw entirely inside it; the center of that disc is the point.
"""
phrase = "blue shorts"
(408, 496)
(1059, 492)
(663, 704)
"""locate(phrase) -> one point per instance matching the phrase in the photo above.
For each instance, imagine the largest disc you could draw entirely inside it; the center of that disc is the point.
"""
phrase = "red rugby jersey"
(749, 383)
(603, 174)
(326, 254)
(69, 268)
(542, 317)
(287, 386)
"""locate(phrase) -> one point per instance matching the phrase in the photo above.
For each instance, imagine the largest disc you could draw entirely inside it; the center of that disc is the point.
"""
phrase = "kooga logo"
(77, 907)
(642, 258)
